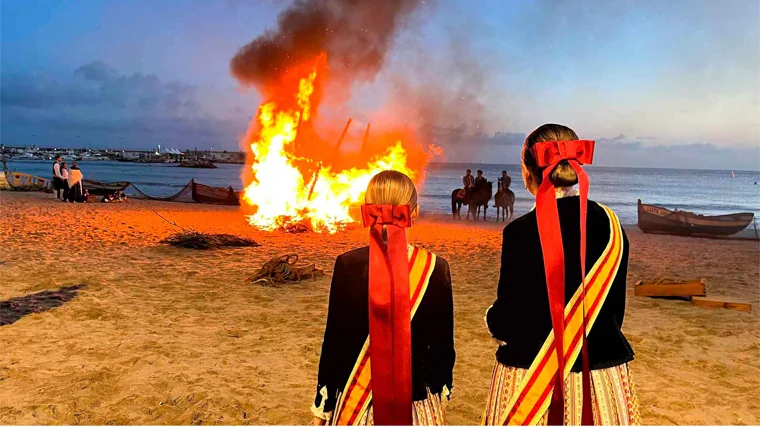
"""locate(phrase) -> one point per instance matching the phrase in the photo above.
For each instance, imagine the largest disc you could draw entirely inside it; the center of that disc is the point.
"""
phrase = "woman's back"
(522, 295)
(347, 328)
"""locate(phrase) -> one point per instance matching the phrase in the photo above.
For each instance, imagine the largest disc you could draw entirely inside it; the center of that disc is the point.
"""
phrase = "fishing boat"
(214, 195)
(104, 188)
(656, 219)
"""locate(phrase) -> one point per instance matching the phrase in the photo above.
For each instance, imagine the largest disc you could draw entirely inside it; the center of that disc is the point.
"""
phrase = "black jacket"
(520, 316)
(348, 327)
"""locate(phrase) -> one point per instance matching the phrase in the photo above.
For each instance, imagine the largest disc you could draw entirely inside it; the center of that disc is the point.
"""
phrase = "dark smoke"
(355, 34)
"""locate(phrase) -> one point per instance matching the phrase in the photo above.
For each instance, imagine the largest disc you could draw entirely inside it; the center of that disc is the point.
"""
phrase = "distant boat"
(655, 219)
(205, 164)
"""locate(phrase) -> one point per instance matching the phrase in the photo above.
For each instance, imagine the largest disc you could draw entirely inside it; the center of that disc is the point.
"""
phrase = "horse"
(504, 201)
(478, 197)
(457, 200)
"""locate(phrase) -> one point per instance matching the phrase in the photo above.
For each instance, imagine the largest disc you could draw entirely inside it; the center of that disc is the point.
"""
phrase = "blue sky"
(638, 76)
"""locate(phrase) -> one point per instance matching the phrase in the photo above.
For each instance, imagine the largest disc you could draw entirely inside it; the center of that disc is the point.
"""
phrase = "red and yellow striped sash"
(533, 395)
(357, 394)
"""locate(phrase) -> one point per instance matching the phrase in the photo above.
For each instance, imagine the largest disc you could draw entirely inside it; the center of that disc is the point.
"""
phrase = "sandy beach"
(160, 335)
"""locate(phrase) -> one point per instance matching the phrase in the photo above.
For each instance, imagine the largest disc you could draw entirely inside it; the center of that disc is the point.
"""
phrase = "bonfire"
(301, 182)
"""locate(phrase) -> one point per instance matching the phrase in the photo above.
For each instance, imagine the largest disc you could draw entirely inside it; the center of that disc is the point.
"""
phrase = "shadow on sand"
(16, 308)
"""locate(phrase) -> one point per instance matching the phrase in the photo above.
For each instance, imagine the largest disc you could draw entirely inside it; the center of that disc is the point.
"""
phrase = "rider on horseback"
(468, 183)
(504, 182)
(480, 177)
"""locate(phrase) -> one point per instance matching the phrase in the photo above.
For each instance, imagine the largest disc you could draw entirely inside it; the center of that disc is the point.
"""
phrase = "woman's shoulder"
(354, 255)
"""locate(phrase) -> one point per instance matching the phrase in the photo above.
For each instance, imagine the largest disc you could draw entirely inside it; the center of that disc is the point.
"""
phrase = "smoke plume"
(356, 35)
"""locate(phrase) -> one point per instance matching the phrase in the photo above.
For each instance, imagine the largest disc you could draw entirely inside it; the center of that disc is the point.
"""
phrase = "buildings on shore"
(158, 155)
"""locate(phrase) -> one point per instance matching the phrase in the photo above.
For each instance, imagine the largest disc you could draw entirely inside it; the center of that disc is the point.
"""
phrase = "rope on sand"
(285, 268)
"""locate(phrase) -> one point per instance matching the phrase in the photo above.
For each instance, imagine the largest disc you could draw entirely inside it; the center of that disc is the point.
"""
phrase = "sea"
(710, 192)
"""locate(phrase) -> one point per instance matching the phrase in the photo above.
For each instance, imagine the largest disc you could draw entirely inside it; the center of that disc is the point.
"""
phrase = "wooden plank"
(719, 302)
(670, 288)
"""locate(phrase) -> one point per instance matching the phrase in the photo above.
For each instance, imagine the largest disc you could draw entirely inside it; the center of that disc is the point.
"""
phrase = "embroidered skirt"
(614, 400)
(428, 412)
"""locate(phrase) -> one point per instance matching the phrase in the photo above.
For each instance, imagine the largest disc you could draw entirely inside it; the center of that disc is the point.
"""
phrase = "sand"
(162, 335)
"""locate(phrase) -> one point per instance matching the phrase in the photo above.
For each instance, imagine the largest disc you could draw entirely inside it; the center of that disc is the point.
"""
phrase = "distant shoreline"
(433, 164)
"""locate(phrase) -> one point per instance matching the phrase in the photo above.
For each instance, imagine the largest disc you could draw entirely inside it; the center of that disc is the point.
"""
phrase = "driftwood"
(283, 269)
(687, 290)
(718, 302)
(670, 288)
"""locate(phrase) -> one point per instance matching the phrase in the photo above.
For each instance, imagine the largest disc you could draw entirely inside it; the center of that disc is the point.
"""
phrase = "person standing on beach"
(76, 189)
(540, 302)
(57, 178)
(65, 181)
(393, 301)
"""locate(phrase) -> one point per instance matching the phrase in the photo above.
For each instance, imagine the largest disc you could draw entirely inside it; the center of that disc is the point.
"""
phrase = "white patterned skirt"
(428, 412)
(613, 401)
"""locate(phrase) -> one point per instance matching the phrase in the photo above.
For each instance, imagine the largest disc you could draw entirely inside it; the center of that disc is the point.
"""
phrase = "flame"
(280, 191)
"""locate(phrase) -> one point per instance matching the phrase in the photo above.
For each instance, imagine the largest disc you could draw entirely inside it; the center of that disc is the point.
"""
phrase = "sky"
(657, 84)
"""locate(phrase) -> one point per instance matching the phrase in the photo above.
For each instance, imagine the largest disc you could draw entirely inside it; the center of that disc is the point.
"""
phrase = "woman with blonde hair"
(561, 299)
(392, 301)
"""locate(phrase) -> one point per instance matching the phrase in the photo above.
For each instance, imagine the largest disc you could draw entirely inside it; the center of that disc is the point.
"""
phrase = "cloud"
(96, 71)
(99, 101)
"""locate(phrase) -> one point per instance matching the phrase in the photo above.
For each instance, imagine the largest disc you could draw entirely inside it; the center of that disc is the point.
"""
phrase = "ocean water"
(707, 192)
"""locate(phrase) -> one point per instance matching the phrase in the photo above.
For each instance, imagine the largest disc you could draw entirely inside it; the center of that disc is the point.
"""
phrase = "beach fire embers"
(285, 269)
(195, 240)
(304, 225)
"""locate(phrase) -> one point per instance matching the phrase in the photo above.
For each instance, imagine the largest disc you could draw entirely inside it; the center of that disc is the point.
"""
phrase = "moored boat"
(202, 163)
(656, 219)
(214, 195)
(104, 188)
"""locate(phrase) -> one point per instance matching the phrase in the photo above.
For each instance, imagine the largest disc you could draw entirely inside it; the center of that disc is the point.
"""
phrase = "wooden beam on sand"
(335, 153)
(719, 302)
(671, 288)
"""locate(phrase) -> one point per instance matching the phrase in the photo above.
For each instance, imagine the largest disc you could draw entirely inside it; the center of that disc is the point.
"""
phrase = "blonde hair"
(391, 188)
(563, 175)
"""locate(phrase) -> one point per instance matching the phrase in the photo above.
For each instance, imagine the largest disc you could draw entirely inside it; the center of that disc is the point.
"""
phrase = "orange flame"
(280, 192)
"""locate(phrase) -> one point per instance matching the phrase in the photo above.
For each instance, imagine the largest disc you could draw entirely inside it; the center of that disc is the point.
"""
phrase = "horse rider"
(480, 177)
(504, 182)
(468, 182)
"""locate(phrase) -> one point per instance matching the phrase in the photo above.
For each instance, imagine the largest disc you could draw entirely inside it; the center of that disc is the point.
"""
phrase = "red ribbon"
(548, 155)
(390, 327)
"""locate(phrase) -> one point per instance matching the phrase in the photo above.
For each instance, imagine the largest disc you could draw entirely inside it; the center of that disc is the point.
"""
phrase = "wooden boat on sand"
(104, 188)
(656, 219)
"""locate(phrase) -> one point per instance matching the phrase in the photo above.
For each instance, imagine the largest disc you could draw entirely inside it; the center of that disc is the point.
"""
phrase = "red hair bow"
(548, 155)
(390, 318)
(386, 215)
(553, 152)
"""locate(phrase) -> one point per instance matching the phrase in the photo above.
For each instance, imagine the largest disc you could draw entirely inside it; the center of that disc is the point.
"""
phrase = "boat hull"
(104, 188)
(214, 195)
(655, 219)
